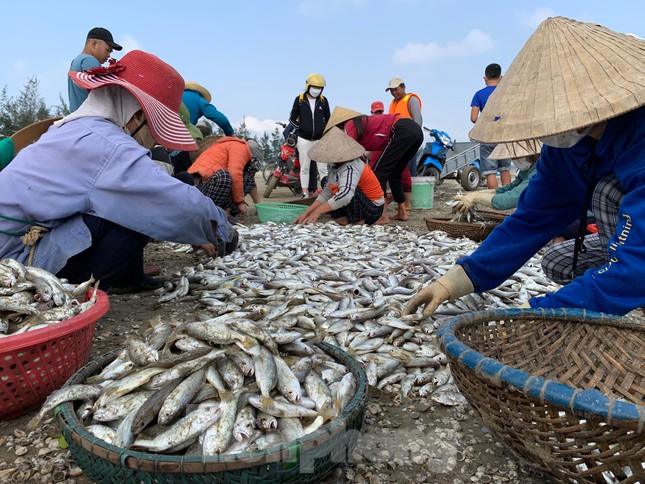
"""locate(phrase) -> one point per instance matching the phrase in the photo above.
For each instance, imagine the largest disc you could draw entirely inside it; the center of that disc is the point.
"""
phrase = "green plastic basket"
(305, 460)
(281, 213)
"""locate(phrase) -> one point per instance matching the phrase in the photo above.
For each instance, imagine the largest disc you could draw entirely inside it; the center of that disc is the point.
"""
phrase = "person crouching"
(225, 173)
(353, 194)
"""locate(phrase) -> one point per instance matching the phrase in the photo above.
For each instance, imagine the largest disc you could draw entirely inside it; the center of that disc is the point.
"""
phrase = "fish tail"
(33, 423)
(327, 413)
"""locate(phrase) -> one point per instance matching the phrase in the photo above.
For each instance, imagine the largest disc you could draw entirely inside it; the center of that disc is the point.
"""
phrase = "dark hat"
(100, 33)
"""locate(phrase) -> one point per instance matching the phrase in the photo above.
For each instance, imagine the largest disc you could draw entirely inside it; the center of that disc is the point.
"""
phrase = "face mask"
(315, 91)
(565, 140)
(522, 163)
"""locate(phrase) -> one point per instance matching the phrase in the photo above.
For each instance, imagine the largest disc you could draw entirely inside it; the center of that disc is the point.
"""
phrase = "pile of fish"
(227, 384)
(348, 286)
(33, 298)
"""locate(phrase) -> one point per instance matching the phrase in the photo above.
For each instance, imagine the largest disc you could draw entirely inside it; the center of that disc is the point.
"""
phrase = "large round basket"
(564, 389)
(308, 459)
(35, 363)
(476, 231)
(281, 213)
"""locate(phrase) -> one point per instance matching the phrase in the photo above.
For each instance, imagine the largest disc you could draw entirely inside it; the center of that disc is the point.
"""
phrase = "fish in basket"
(217, 402)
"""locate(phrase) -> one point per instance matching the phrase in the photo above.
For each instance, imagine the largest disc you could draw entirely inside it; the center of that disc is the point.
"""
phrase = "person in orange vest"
(407, 105)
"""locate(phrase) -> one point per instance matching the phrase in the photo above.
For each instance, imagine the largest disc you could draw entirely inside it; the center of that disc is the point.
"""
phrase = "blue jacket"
(91, 166)
(198, 107)
(554, 198)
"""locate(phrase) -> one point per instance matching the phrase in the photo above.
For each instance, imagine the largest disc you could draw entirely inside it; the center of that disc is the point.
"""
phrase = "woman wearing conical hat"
(580, 89)
(397, 139)
(353, 194)
(524, 155)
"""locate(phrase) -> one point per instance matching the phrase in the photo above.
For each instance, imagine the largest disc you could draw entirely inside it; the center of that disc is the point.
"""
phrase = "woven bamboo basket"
(564, 388)
(305, 460)
(476, 231)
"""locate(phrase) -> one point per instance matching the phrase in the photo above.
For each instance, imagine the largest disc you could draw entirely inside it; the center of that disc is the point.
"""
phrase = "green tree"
(265, 144)
(62, 109)
(276, 141)
(28, 108)
(242, 131)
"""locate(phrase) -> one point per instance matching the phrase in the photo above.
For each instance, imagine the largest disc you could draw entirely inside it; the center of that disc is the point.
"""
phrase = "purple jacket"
(91, 166)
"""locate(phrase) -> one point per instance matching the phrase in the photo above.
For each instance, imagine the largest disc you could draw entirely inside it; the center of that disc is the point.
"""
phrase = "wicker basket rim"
(586, 402)
(453, 223)
(68, 418)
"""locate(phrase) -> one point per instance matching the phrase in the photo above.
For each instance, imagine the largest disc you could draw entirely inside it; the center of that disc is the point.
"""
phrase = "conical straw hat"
(518, 149)
(569, 75)
(193, 86)
(335, 147)
(340, 115)
(31, 133)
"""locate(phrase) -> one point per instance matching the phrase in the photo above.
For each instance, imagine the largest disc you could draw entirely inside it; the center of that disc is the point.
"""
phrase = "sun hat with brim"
(193, 86)
(517, 149)
(31, 133)
(336, 147)
(340, 115)
(158, 89)
(194, 131)
(569, 75)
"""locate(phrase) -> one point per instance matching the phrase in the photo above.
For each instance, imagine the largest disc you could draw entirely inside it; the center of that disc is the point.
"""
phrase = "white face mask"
(565, 140)
(522, 164)
(315, 91)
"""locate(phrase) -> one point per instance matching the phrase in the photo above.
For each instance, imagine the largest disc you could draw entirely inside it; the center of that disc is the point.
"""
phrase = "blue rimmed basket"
(564, 388)
(305, 460)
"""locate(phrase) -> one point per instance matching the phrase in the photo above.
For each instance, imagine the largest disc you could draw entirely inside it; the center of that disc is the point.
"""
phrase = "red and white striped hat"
(157, 86)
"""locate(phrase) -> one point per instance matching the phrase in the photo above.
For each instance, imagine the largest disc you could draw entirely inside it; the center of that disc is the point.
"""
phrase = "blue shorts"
(490, 167)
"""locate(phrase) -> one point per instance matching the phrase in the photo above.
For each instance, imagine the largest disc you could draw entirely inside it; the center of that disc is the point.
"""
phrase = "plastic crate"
(281, 213)
(35, 363)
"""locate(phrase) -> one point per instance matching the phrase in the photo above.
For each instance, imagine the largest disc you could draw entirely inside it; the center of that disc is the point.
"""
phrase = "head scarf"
(111, 102)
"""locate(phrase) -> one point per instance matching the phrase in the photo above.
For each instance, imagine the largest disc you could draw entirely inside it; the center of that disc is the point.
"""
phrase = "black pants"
(115, 257)
(405, 140)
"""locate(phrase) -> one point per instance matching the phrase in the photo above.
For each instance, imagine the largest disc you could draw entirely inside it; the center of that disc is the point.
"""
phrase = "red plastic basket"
(35, 363)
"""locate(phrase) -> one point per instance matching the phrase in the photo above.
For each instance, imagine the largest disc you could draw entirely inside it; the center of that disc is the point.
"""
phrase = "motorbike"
(442, 157)
(286, 167)
(434, 153)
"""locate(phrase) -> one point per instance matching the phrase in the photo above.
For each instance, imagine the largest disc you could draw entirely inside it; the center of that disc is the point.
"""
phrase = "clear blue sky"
(254, 56)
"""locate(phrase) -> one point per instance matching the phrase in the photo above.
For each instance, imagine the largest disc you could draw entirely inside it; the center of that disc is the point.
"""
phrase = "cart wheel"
(432, 171)
(470, 178)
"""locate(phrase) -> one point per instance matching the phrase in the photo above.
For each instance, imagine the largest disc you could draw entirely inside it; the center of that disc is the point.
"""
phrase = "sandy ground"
(384, 453)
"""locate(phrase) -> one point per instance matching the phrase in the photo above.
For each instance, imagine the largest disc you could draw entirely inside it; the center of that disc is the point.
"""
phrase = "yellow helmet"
(315, 80)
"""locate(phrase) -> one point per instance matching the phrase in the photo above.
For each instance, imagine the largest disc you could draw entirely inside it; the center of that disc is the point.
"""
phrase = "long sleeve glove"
(470, 199)
(453, 284)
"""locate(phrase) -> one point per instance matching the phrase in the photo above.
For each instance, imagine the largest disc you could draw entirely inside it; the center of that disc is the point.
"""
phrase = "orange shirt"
(227, 153)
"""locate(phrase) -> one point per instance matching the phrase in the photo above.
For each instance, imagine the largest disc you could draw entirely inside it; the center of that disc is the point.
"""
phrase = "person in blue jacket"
(592, 123)
(198, 101)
